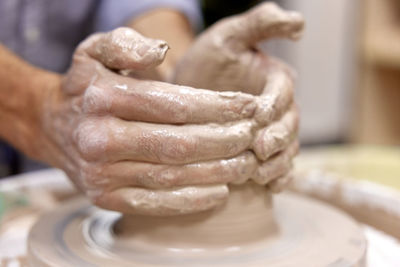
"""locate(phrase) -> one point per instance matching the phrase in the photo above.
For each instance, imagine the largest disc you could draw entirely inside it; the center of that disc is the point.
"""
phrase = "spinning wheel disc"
(308, 233)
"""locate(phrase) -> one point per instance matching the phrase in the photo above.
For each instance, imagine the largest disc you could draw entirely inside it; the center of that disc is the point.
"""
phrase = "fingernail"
(154, 46)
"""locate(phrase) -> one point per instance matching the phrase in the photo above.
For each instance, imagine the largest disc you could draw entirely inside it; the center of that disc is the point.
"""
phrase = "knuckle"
(259, 12)
(245, 168)
(96, 99)
(92, 139)
(167, 178)
(121, 32)
(181, 110)
(94, 184)
(178, 150)
(175, 109)
(93, 179)
(120, 41)
(270, 7)
(82, 70)
(259, 146)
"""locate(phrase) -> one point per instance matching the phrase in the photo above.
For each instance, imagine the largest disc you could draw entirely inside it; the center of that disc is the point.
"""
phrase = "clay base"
(298, 232)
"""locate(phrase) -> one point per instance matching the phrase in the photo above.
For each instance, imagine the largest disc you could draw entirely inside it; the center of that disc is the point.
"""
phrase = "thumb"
(124, 48)
(264, 22)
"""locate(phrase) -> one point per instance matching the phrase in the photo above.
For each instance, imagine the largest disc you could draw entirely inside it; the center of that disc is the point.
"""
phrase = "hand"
(227, 52)
(147, 147)
(226, 57)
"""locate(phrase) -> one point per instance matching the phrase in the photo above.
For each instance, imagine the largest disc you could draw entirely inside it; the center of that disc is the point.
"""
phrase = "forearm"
(22, 90)
(171, 26)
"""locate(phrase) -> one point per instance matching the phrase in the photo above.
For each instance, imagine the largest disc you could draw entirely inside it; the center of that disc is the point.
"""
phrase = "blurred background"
(348, 91)
(348, 66)
(348, 87)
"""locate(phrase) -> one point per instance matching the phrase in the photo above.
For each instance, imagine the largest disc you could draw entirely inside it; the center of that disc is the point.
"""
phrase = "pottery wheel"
(298, 231)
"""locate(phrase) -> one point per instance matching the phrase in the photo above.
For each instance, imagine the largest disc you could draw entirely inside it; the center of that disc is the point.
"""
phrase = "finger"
(111, 140)
(277, 136)
(266, 21)
(157, 176)
(163, 202)
(277, 185)
(277, 95)
(152, 101)
(277, 166)
(124, 48)
(278, 75)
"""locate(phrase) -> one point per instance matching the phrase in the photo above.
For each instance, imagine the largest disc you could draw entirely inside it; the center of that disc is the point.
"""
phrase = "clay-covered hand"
(226, 57)
(141, 146)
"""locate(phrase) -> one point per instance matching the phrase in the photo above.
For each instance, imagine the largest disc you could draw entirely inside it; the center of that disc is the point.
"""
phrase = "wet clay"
(148, 147)
(246, 231)
(194, 168)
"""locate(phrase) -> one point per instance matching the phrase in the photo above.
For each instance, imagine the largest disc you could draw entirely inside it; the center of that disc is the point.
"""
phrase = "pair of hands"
(148, 147)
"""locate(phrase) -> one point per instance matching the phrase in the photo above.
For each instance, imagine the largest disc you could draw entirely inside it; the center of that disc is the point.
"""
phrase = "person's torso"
(45, 32)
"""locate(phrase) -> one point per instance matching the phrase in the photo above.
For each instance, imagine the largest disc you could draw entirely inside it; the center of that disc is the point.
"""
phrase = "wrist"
(44, 92)
(26, 109)
(24, 91)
